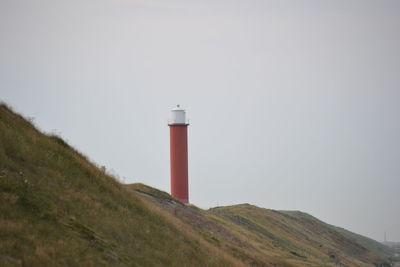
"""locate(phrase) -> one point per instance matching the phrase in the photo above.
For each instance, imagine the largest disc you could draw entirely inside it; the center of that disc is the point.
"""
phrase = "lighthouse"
(179, 154)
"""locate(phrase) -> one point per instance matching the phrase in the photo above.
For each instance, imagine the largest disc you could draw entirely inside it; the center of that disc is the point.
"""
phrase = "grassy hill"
(59, 209)
(260, 236)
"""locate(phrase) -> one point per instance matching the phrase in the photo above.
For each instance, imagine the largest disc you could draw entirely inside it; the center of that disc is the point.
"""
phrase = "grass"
(262, 237)
(59, 209)
(303, 236)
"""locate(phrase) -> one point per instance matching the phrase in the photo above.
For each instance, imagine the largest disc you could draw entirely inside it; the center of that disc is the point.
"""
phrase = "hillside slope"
(59, 209)
(56, 208)
(260, 236)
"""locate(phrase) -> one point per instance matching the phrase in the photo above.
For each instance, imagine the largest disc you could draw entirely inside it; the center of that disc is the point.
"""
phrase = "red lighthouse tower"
(179, 154)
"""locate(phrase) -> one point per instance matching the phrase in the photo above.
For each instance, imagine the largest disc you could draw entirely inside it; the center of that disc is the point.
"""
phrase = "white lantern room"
(178, 116)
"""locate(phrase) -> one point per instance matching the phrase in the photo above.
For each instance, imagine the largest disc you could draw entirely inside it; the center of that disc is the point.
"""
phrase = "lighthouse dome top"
(178, 116)
(178, 107)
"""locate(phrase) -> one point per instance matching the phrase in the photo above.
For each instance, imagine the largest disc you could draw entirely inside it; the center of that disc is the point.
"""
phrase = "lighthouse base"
(184, 201)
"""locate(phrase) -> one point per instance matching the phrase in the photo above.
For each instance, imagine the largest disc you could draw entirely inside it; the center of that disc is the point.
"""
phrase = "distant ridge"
(59, 209)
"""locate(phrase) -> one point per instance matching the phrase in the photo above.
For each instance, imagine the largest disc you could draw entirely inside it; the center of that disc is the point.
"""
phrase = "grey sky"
(292, 104)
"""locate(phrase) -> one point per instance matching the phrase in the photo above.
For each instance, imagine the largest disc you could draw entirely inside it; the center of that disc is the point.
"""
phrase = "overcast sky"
(293, 104)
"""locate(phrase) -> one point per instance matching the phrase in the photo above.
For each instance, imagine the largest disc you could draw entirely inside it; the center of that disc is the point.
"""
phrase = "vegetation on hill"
(377, 247)
(262, 237)
(59, 209)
